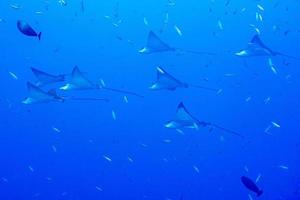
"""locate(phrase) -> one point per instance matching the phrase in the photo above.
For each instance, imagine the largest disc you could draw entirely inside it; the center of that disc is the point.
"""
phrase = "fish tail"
(40, 35)
(260, 192)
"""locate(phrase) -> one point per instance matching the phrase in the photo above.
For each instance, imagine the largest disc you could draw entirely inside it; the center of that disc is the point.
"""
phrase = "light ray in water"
(257, 48)
(184, 119)
(165, 81)
(155, 45)
(80, 82)
(44, 78)
(37, 95)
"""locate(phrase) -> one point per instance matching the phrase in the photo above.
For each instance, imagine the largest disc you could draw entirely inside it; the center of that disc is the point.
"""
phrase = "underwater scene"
(150, 100)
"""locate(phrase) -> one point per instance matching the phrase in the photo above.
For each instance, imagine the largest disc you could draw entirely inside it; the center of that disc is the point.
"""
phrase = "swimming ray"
(80, 82)
(37, 95)
(45, 78)
(155, 45)
(257, 48)
(184, 119)
(165, 81)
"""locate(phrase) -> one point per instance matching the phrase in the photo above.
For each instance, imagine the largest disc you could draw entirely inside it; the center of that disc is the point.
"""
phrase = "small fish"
(268, 129)
(146, 21)
(246, 168)
(196, 169)
(248, 99)
(99, 188)
(220, 24)
(250, 197)
(56, 129)
(249, 184)
(260, 17)
(39, 13)
(229, 75)
(283, 167)
(257, 178)
(272, 66)
(15, 6)
(167, 141)
(260, 7)
(178, 30)
(30, 168)
(113, 114)
(125, 99)
(107, 158)
(13, 75)
(4, 179)
(257, 31)
(26, 29)
(130, 159)
(180, 131)
(219, 91)
(54, 148)
(267, 100)
(63, 2)
(102, 83)
(275, 124)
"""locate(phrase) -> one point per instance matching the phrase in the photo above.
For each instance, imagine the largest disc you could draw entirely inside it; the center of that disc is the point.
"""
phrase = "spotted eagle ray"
(37, 95)
(78, 81)
(44, 78)
(165, 81)
(155, 45)
(257, 48)
(184, 119)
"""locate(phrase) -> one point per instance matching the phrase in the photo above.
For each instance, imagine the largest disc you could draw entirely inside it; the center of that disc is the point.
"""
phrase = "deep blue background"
(159, 170)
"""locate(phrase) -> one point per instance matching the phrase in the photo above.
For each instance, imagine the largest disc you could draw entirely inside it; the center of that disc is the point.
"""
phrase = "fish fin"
(260, 192)
(40, 35)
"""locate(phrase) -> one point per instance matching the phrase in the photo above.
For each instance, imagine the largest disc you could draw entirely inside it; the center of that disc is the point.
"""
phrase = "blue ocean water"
(122, 150)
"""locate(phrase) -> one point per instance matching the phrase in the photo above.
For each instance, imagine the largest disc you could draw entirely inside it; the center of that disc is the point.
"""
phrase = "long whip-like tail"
(196, 52)
(227, 130)
(203, 87)
(122, 91)
(287, 56)
(87, 99)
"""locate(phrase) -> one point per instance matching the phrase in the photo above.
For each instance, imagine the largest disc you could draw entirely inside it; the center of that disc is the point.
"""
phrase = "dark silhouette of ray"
(184, 119)
(155, 45)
